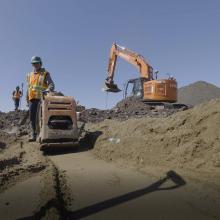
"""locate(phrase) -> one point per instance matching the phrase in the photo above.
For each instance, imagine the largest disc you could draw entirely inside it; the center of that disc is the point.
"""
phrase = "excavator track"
(165, 105)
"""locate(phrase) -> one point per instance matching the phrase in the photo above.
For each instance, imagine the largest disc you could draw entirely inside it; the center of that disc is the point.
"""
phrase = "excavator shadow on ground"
(86, 143)
(59, 204)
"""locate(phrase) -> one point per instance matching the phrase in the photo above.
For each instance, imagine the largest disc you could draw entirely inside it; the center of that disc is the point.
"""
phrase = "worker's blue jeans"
(33, 106)
(16, 101)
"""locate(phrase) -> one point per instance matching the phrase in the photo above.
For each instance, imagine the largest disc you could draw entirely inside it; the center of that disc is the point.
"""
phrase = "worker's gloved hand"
(45, 92)
(51, 88)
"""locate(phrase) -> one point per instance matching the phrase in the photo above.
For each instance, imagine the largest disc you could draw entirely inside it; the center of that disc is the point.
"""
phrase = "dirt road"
(76, 185)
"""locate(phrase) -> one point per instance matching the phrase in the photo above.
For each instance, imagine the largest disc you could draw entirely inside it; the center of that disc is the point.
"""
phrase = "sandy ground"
(140, 168)
(76, 185)
(103, 190)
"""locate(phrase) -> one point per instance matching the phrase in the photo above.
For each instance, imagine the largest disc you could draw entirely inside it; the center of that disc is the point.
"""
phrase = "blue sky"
(74, 37)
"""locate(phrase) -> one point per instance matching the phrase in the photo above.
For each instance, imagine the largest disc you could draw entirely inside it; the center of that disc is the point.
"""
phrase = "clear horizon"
(74, 37)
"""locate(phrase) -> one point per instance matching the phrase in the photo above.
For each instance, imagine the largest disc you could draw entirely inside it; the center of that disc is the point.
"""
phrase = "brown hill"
(197, 93)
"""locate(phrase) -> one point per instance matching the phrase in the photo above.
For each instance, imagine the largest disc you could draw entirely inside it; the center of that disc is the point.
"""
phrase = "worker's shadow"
(176, 180)
(86, 143)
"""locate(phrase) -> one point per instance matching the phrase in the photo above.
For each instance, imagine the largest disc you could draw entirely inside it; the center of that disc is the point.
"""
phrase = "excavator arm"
(146, 71)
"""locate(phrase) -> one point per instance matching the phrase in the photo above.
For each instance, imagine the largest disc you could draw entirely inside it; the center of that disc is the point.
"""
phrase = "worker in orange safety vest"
(16, 96)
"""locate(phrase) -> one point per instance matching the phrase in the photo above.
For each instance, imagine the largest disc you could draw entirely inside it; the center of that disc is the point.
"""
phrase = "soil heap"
(188, 139)
(127, 108)
(15, 122)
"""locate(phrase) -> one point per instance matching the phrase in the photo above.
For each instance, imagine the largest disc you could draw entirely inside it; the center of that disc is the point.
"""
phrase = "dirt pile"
(13, 158)
(11, 152)
(127, 108)
(14, 122)
(5, 139)
(188, 139)
(17, 160)
(197, 93)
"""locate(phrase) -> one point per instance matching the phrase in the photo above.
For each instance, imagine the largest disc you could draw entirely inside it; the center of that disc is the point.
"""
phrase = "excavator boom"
(146, 71)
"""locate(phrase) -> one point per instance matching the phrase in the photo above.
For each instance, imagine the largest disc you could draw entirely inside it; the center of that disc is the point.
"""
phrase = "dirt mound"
(197, 93)
(18, 159)
(188, 139)
(10, 118)
(5, 139)
(11, 122)
(127, 108)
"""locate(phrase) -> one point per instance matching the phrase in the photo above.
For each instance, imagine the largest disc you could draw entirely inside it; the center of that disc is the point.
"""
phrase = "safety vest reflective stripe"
(37, 84)
(42, 79)
(36, 88)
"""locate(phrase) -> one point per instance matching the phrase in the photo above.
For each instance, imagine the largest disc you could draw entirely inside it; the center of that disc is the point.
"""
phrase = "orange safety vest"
(17, 95)
(36, 84)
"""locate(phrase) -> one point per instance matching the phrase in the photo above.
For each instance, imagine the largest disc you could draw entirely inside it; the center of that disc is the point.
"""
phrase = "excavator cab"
(164, 90)
(134, 88)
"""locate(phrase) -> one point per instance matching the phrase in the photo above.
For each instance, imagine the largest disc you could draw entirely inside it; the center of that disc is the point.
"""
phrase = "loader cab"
(134, 88)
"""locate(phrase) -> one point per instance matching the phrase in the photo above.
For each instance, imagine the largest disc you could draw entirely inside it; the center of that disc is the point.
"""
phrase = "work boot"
(33, 137)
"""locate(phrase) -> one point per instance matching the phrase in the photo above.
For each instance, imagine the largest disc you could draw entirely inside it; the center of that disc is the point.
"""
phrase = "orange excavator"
(145, 87)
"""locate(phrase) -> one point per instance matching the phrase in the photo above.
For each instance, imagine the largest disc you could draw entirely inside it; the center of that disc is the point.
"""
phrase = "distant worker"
(16, 96)
(38, 81)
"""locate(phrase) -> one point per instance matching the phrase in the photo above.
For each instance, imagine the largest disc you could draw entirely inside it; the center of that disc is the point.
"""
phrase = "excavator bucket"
(111, 87)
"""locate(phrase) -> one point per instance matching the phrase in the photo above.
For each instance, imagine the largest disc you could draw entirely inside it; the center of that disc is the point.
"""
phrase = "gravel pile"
(127, 108)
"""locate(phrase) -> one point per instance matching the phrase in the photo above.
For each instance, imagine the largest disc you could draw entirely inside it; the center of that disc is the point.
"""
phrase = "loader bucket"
(111, 88)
